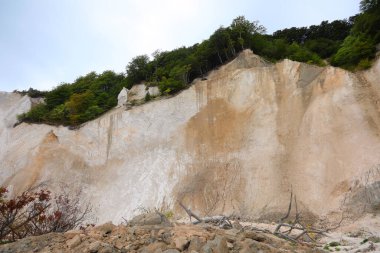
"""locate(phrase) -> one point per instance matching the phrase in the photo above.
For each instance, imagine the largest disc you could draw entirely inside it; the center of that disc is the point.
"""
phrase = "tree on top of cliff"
(242, 29)
(348, 43)
(360, 45)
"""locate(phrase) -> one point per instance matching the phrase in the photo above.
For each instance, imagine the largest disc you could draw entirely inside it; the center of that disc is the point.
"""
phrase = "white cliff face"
(234, 143)
(11, 105)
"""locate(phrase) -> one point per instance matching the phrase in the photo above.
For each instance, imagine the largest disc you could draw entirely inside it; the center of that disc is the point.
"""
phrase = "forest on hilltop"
(349, 43)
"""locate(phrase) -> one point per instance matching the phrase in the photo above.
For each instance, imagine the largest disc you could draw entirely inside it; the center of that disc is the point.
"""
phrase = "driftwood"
(190, 213)
(220, 220)
(299, 230)
(294, 231)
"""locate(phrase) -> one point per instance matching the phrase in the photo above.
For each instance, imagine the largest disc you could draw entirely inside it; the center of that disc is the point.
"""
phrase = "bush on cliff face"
(38, 212)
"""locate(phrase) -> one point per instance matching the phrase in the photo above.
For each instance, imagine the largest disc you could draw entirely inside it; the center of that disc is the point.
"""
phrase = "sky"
(47, 42)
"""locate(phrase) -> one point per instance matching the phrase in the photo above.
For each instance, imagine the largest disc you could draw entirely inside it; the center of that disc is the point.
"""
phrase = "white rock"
(122, 98)
(154, 91)
(137, 92)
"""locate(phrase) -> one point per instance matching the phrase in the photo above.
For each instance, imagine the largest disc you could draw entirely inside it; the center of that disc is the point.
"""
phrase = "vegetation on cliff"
(345, 43)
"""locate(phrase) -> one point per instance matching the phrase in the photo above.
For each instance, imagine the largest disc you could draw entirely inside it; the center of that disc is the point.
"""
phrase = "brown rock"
(119, 244)
(218, 245)
(196, 243)
(141, 231)
(171, 251)
(94, 247)
(231, 234)
(237, 225)
(105, 248)
(72, 243)
(72, 233)
(181, 243)
(254, 236)
(149, 219)
(105, 228)
(154, 247)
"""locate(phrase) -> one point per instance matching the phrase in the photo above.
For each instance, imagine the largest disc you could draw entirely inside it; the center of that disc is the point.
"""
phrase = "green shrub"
(364, 64)
(334, 244)
(147, 97)
(37, 114)
(353, 50)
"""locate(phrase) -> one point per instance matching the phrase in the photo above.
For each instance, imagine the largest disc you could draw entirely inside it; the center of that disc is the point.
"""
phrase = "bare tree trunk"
(220, 58)
(233, 52)
(190, 213)
(226, 54)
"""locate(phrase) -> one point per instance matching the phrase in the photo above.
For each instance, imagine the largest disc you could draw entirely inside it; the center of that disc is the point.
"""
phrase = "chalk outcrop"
(234, 143)
(122, 98)
(139, 91)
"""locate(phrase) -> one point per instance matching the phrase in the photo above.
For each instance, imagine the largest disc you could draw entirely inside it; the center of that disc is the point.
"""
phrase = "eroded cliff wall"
(234, 143)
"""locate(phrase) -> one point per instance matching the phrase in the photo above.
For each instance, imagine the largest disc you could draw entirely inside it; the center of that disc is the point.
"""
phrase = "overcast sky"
(46, 42)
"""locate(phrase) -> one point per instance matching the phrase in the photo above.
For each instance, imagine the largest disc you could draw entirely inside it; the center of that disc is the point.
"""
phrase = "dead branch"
(299, 230)
(190, 213)
(281, 221)
(220, 220)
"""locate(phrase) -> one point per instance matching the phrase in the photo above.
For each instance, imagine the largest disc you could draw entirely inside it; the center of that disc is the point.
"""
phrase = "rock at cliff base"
(149, 219)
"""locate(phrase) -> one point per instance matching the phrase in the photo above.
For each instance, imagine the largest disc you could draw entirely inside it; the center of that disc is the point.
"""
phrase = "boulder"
(181, 243)
(154, 91)
(218, 245)
(122, 98)
(72, 243)
(149, 219)
(196, 243)
(105, 228)
(94, 247)
(137, 92)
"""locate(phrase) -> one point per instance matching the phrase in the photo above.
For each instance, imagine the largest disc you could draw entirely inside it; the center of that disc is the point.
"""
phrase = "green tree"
(36, 114)
(137, 70)
(369, 5)
(243, 28)
(221, 43)
(325, 48)
(58, 114)
(58, 95)
(354, 49)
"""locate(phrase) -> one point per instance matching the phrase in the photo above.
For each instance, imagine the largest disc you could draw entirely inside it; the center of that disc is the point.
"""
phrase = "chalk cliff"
(234, 143)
